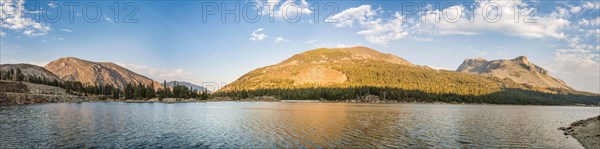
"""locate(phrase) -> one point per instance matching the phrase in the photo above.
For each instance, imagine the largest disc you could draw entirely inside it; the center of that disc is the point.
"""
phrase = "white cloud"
(281, 39)
(341, 45)
(482, 53)
(41, 64)
(578, 64)
(287, 8)
(589, 22)
(319, 44)
(257, 35)
(12, 18)
(591, 5)
(577, 68)
(381, 33)
(575, 9)
(15, 61)
(159, 74)
(362, 15)
(421, 39)
(2, 34)
(438, 68)
(311, 41)
(108, 19)
(66, 30)
(375, 30)
(550, 25)
(52, 4)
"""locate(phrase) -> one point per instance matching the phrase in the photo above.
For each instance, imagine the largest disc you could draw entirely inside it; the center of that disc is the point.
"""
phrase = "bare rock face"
(30, 71)
(319, 75)
(519, 70)
(96, 73)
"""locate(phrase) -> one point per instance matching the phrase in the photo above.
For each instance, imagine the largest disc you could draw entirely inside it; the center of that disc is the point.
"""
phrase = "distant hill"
(96, 73)
(30, 71)
(519, 70)
(186, 84)
(356, 72)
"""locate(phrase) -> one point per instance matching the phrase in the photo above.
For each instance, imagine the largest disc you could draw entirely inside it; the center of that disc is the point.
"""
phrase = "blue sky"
(170, 40)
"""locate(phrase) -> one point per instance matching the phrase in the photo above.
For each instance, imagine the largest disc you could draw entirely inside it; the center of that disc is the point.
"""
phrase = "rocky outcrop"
(519, 70)
(96, 73)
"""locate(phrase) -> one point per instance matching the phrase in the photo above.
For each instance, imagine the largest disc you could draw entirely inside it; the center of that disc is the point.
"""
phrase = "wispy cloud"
(281, 39)
(257, 35)
(160, 74)
(66, 30)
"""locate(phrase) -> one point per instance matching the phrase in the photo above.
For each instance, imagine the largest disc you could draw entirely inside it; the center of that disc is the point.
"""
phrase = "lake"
(286, 125)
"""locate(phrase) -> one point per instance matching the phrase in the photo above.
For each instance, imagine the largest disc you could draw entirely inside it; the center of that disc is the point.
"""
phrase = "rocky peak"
(519, 70)
(476, 65)
(521, 59)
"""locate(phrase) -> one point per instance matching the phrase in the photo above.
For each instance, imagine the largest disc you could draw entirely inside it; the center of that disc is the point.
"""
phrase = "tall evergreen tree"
(150, 93)
(129, 91)
(20, 75)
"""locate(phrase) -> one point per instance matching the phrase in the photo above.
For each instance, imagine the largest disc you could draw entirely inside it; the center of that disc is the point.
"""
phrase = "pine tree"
(150, 93)
(129, 91)
(161, 94)
(11, 74)
(20, 75)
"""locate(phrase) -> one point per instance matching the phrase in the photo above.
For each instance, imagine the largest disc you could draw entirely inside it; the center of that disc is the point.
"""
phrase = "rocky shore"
(587, 132)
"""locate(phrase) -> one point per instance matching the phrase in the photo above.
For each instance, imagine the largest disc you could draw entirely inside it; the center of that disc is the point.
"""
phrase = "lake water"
(286, 125)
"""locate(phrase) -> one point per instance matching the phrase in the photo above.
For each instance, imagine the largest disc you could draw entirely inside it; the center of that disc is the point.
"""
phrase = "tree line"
(506, 96)
(130, 91)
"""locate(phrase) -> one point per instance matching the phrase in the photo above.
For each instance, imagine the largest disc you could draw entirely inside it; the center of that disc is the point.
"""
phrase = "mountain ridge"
(96, 73)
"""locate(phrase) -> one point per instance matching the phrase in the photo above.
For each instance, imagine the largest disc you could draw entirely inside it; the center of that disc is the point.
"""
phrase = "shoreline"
(586, 131)
(83, 99)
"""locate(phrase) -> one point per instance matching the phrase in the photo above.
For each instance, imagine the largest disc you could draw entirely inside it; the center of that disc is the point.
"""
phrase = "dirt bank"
(14, 93)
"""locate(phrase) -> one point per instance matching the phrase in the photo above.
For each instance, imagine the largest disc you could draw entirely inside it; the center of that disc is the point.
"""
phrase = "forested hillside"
(352, 73)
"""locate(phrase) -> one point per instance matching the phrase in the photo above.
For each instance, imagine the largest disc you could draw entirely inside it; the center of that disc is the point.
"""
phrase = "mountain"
(361, 73)
(30, 71)
(96, 73)
(519, 70)
(361, 66)
(186, 84)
